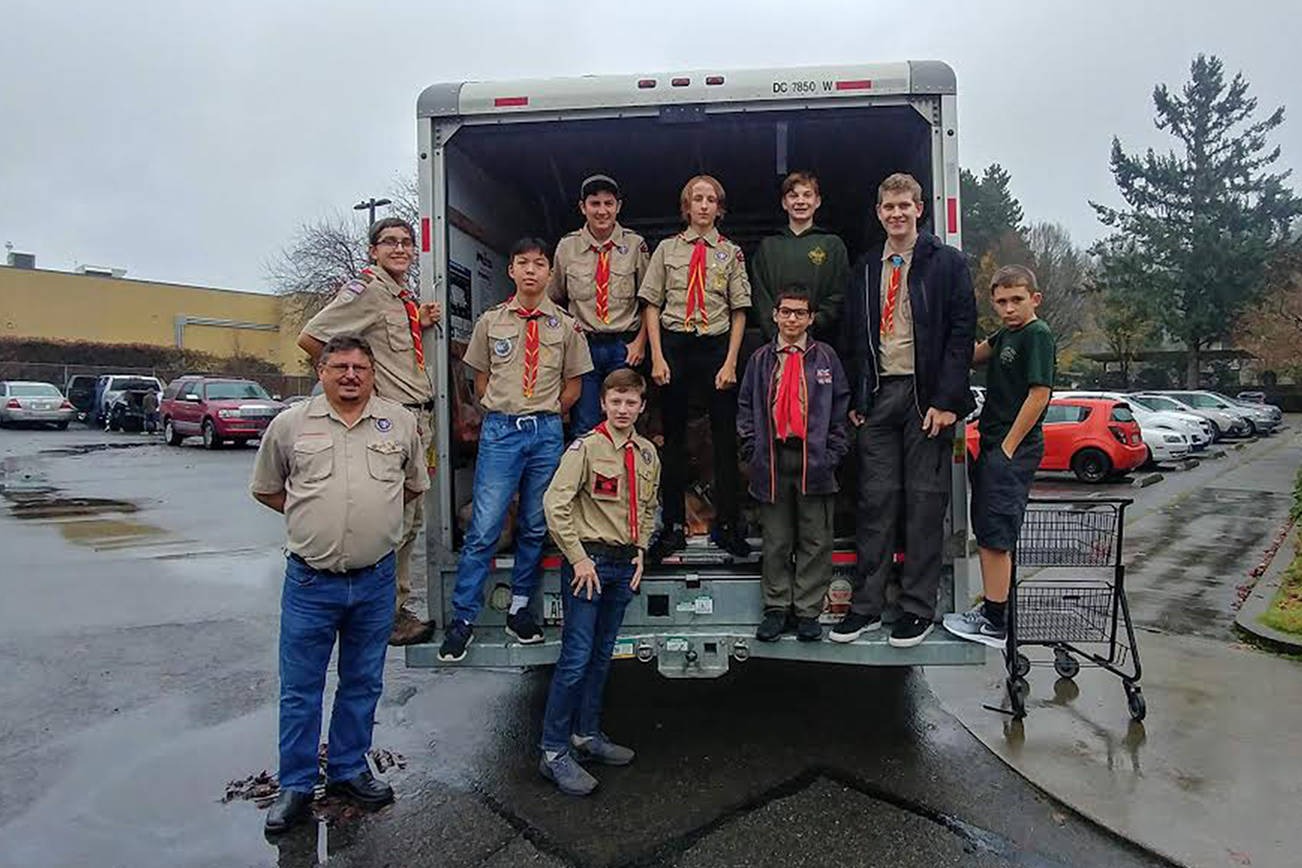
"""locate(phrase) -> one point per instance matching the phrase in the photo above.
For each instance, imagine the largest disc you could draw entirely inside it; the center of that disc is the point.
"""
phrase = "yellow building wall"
(56, 305)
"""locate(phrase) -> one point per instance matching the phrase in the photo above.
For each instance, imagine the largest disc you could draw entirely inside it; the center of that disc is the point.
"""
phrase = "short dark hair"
(342, 344)
(624, 378)
(389, 223)
(529, 244)
(794, 292)
(1014, 275)
(807, 178)
(595, 184)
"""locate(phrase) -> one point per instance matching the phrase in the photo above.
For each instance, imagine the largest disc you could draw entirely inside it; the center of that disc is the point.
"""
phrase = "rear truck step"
(705, 652)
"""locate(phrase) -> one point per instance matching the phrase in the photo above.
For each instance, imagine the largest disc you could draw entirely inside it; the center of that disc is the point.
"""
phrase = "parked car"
(1197, 432)
(1169, 408)
(217, 409)
(23, 402)
(1226, 424)
(110, 386)
(1251, 397)
(1259, 419)
(1093, 438)
(80, 390)
(1270, 412)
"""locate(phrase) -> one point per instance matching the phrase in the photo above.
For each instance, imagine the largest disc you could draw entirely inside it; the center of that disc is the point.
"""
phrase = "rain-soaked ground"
(141, 601)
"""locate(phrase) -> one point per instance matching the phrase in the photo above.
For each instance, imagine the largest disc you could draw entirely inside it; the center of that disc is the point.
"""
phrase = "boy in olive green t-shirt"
(1019, 381)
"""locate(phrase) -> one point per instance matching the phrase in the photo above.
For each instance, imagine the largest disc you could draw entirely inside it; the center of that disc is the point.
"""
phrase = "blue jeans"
(591, 627)
(315, 606)
(516, 453)
(608, 354)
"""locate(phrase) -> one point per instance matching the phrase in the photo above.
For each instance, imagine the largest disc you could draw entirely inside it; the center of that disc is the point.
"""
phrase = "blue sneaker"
(601, 749)
(564, 771)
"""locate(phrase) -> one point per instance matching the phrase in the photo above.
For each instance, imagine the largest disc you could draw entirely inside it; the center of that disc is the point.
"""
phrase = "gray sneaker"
(602, 750)
(976, 627)
(564, 771)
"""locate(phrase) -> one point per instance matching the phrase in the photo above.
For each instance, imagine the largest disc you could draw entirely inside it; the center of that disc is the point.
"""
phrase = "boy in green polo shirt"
(1019, 381)
(801, 254)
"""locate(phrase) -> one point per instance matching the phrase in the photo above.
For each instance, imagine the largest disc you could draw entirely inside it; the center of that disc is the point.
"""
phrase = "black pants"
(902, 474)
(693, 362)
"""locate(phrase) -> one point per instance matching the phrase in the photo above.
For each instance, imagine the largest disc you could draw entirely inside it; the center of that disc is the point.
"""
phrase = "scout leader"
(379, 307)
(601, 508)
(340, 467)
(529, 360)
(696, 295)
(802, 254)
(596, 272)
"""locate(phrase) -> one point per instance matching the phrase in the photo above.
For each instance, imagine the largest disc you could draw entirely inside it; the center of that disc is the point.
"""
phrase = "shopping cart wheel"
(1064, 664)
(1135, 699)
(1018, 690)
(1022, 666)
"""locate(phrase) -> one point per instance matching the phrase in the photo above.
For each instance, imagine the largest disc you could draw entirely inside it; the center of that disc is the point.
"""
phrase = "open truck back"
(501, 160)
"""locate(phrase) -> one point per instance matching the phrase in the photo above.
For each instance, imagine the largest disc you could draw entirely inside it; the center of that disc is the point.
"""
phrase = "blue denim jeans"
(315, 607)
(608, 354)
(591, 627)
(516, 453)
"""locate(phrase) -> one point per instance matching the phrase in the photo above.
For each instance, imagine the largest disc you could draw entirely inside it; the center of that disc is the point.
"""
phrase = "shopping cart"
(1076, 595)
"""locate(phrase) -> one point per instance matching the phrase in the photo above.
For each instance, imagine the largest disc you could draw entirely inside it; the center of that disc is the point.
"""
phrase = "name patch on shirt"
(605, 486)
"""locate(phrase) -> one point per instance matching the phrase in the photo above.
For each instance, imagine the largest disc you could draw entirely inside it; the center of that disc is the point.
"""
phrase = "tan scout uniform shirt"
(574, 278)
(727, 288)
(497, 348)
(897, 346)
(370, 306)
(343, 486)
(588, 498)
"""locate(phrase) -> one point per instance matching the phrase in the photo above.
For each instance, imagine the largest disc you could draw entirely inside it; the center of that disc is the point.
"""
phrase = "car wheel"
(210, 438)
(170, 435)
(1091, 465)
(1252, 428)
(1149, 461)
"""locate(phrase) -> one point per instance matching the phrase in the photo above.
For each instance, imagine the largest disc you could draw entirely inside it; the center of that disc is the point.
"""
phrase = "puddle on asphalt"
(100, 523)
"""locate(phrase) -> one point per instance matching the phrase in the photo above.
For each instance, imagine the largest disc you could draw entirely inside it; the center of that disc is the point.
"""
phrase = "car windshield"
(121, 384)
(34, 390)
(1206, 402)
(1155, 402)
(234, 390)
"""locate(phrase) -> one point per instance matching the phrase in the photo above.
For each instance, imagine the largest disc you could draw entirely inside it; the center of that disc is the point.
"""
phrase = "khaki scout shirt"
(897, 345)
(497, 348)
(726, 286)
(574, 278)
(343, 485)
(588, 498)
(371, 306)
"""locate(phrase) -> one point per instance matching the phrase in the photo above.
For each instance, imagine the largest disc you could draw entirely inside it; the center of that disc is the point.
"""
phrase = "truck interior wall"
(509, 180)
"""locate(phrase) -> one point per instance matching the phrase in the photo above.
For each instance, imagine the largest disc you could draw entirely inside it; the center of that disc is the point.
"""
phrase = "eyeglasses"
(399, 243)
(793, 312)
(343, 368)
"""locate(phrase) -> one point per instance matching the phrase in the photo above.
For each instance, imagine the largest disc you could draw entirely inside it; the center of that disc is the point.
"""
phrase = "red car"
(217, 409)
(1093, 438)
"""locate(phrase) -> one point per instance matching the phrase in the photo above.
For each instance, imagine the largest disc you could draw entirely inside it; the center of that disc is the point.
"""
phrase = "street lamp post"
(369, 206)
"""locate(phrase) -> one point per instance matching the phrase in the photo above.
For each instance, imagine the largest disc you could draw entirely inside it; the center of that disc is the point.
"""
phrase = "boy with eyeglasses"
(378, 306)
(791, 424)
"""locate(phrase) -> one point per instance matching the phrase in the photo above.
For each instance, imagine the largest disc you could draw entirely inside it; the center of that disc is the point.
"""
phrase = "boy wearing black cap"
(595, 274)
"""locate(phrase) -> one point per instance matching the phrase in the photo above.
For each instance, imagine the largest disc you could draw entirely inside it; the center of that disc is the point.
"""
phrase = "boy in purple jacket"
(791, 425)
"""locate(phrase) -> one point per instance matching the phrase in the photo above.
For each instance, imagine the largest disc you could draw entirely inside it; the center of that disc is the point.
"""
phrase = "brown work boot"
(410, 630)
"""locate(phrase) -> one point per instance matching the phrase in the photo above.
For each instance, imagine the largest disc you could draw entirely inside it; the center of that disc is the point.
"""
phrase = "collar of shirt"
(385, 279)
(887, 253)
(320, 406)
(615, 237)
(814, 229)
(610, 437)
(711, 236)
(802, 344)
(545, 306)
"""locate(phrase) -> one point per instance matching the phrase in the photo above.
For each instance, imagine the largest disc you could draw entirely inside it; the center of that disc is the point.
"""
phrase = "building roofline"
(110, 279)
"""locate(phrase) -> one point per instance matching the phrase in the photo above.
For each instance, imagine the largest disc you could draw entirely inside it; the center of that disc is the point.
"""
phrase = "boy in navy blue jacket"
(791, 424)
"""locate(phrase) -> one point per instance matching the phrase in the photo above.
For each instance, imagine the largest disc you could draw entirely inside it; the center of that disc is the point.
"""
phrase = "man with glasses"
(378, 306)
(340, 467)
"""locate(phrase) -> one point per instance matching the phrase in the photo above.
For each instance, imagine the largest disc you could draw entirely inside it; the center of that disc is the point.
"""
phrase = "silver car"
(1225, 424)
(30, 403)
(1260, 420)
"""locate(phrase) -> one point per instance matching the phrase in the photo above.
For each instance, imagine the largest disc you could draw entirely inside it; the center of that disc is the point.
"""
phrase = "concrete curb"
(1147, 480)
(1215, 453)
(1264, 592)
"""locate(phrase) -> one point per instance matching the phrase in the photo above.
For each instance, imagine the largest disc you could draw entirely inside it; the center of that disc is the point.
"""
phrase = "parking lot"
(141, 587)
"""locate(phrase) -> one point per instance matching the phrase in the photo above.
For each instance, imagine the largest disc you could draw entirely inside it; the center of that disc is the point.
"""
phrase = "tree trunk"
(1191, 373)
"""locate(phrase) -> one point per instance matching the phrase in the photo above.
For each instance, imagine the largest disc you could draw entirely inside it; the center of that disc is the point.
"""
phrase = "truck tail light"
(646, 83)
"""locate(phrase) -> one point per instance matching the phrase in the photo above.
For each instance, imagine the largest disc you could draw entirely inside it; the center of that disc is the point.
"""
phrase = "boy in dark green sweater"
(801, 255)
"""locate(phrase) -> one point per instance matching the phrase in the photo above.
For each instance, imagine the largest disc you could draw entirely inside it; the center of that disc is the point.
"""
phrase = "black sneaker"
(522, 628)
(773, 626)
(731, 541)
(671, 540)
(852, 626)
(808, 630)
(909, 631)
(458, 636)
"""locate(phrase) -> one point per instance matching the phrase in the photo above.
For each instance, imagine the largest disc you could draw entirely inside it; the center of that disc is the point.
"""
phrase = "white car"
(1198, 432)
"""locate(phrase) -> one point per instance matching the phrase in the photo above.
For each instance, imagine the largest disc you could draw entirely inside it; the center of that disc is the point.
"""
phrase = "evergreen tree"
(1200, 227)
(990, 212)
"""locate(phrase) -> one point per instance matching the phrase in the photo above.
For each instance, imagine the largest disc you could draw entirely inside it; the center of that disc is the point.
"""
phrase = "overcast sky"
(185, 141)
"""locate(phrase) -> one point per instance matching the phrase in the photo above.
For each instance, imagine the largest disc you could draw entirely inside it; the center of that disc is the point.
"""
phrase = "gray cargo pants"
(799, 524)
(905, 475)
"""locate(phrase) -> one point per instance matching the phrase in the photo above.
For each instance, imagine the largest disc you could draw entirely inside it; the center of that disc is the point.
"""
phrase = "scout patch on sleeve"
(605, 486)
(576, 445)
(823, 376)
(741, 257)
(644, 248)
(351, 290)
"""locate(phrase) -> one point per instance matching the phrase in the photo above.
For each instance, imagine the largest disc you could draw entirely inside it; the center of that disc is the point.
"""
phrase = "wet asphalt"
(141, 590)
